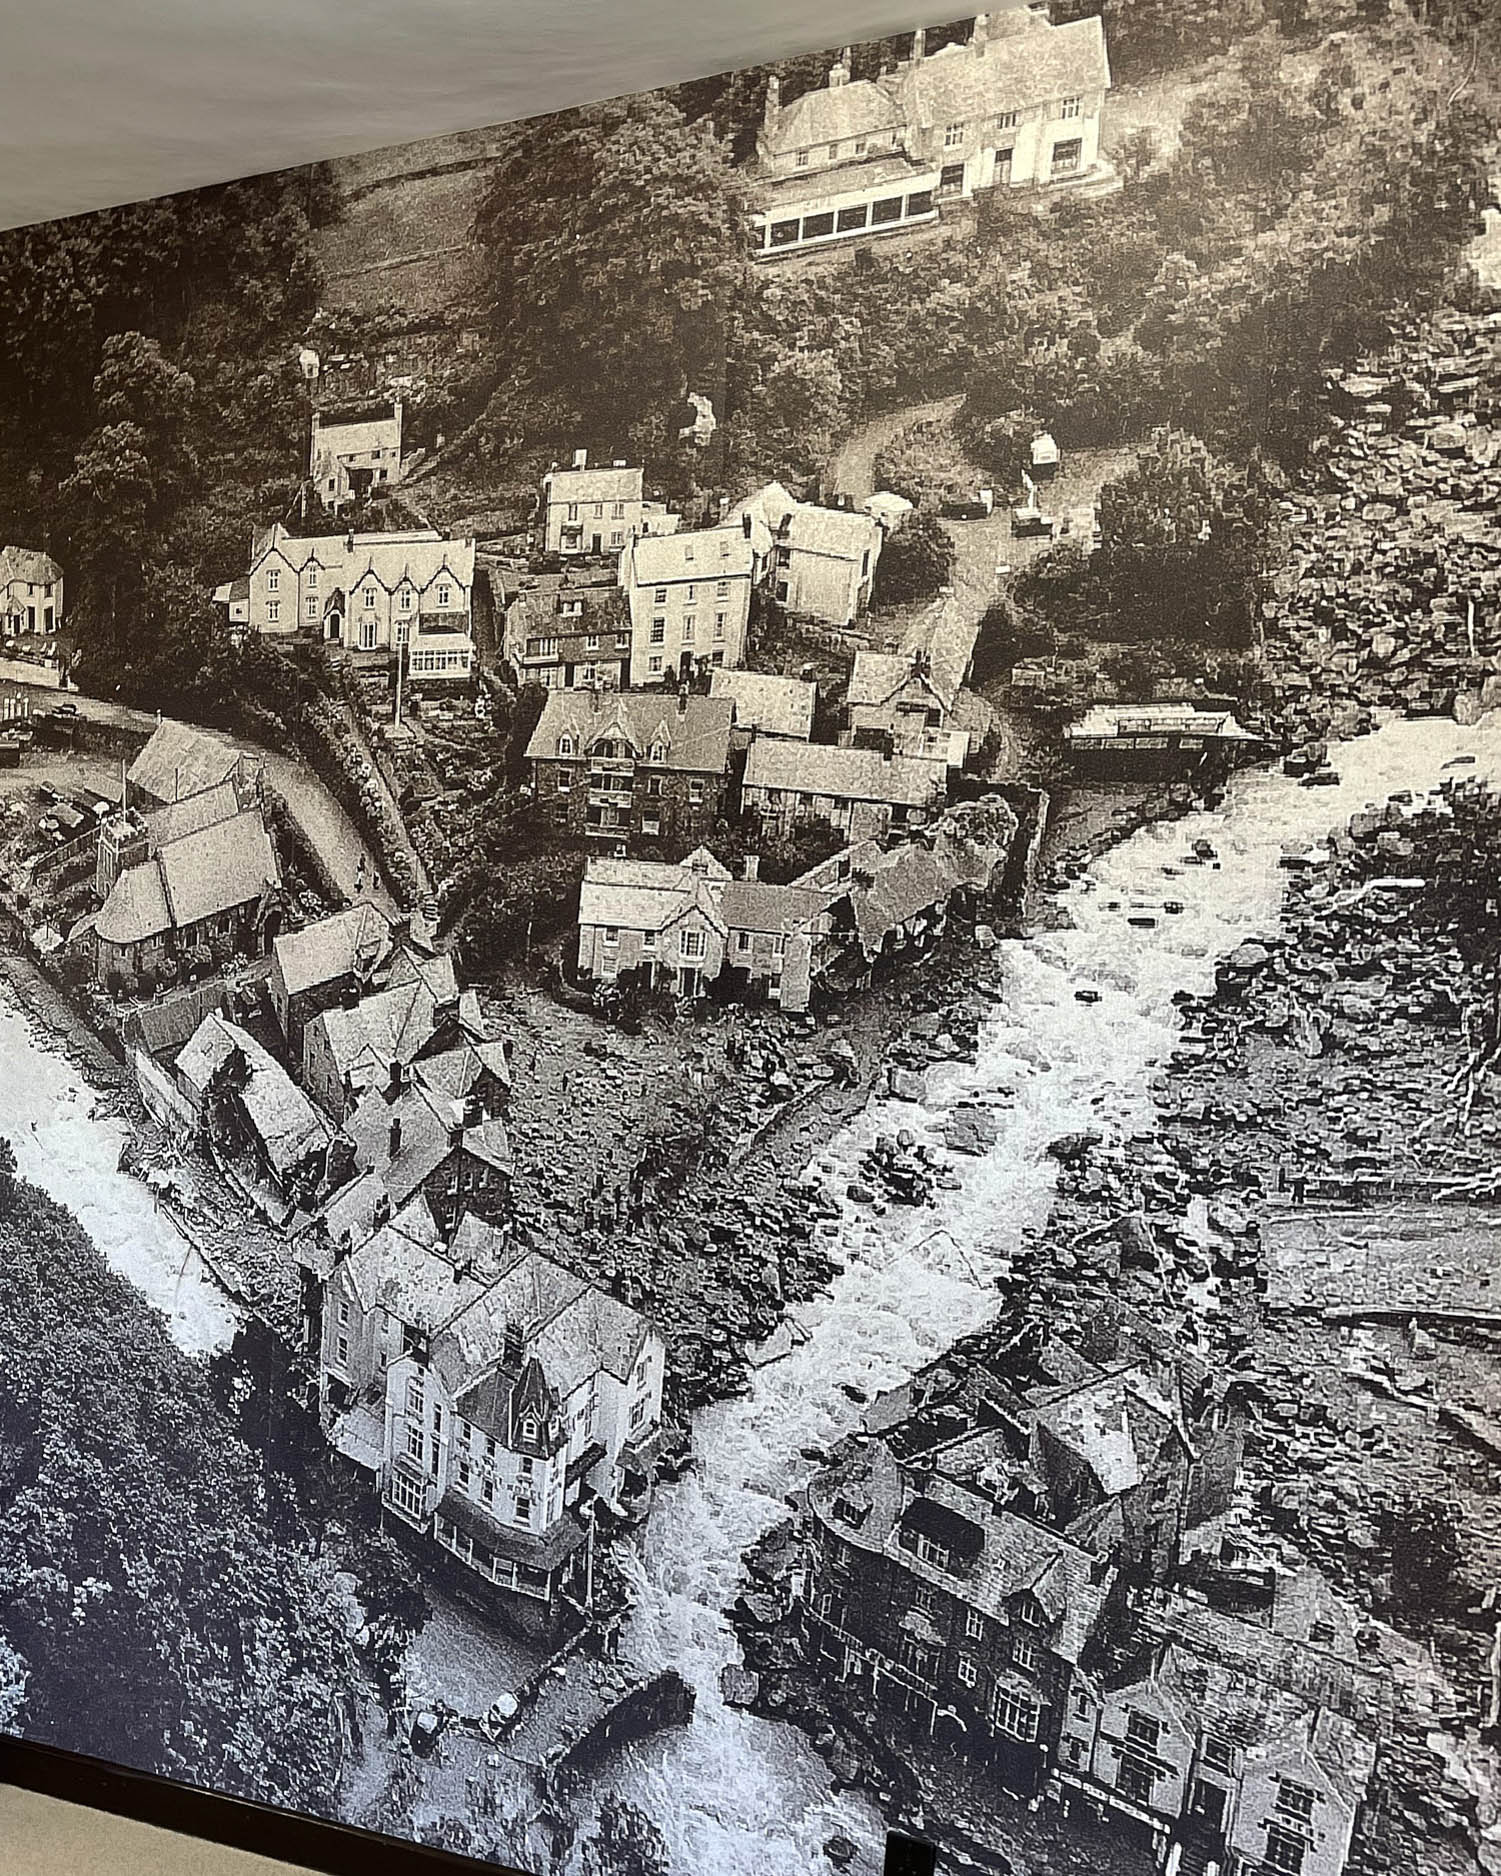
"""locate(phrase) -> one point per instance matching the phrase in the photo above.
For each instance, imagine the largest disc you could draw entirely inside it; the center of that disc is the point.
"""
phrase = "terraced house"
(690, 600)
(633, 766)
(1016, 109)
(591, 510)
(372, 593)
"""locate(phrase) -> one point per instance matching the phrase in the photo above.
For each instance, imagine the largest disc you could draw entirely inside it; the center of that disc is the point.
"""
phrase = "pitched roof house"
(250, 1107)
(317, 966)
(1017, 107)
(858, 791)
(352, 457)
(417, 1139)
(569, 634)
(591, 510)
(689, 597)
(31, 591)
(365, 1042)
(216, 888)
(817, 561)
(768, 706)
(179, 761)
(633, 766)
(371, 592)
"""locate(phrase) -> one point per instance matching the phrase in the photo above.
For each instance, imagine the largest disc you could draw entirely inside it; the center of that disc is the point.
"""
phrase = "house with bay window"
(1015, 109)
(634, 767)
(409, 591)
(530, 1415)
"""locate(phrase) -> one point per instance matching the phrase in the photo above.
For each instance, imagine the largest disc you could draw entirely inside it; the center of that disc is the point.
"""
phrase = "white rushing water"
(741, 1796)
(47, 1113)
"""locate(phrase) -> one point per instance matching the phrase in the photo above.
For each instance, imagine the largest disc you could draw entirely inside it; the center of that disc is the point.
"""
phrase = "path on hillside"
(851, 470)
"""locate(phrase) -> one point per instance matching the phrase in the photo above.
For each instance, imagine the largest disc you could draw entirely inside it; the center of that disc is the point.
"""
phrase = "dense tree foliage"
(616, 246)
(916, 561)
(154, 1580)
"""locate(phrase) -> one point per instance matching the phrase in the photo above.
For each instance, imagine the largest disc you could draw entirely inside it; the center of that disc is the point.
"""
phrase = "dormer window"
(406, 599)
(273, 580)
(565, 745)
(657, 754)
(445, 596)
(529, 1429)
(312, 576)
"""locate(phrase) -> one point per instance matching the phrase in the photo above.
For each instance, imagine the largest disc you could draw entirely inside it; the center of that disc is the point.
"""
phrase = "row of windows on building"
(658, 632)
(953, 136)
(617, 510)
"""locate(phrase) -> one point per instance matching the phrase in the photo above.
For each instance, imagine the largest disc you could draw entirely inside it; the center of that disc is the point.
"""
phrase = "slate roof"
(162, 1028)
(650, 895)
(1013, 1556)
(219, 867)
(179, 761)
(754, 905)
(843, 774)
(878, 678)
(390, 1025)
(702, 554)
(202, 875)
(29, 564)
(429, 1122)
(697, 736)
(1034, 63)
(1115, 1424)
(833, 533)
(285, 1121)
(836, 114)
(418, 556)
(192, 814)
(777, 706)
(402, 1268)
(604, 484)
(358, 938)
(357, 438)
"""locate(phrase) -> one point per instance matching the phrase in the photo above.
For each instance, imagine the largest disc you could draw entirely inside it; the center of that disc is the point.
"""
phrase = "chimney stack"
(981, 32)
(773, 101)
(839, 71)
(581, 459)
(752, 866)
(746, 524)
(395, 1137)
(919, 45)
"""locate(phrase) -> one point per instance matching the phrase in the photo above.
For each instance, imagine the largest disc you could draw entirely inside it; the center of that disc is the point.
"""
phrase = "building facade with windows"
(689, 598)
(860, 792)
(349, 459)
(591, 510)
(1017, 108)
(374, 593)
(569, 636)
(632, 767)
(531, 1412)
(820, 562)
(31, 591)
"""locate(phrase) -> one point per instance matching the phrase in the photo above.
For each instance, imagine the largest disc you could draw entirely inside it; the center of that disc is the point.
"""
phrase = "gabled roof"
(778, 706)
(651, 895)
(136, 908)
(694, 730)
(390, 1025)
(403, 1269)
(754, 905)
(218, 868)
(179, 761)
(843, 774)
(417, 557)
(879, 678)
(29, 564)
(334, 438)
(1115, 1425)
(162, 1028)
(352, 942)
(835, 114)
(425, 1126)
(1032, 63)
(284, 1120)
(834, 533)
(192, 814)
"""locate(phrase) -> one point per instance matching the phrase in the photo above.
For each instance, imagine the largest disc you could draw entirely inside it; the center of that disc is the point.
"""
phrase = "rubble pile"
(1387, 598)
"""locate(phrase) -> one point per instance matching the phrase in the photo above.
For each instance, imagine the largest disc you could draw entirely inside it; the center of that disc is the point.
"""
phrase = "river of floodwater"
(737, 1795)
(734, 1794)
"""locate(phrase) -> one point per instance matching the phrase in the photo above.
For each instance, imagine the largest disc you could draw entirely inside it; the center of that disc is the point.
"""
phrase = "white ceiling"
(109, 101)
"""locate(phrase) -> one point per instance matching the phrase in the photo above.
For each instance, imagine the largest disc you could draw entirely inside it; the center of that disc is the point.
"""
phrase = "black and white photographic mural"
(752, 970)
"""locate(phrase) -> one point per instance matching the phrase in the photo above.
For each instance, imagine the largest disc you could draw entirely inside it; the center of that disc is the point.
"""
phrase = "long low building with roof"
(862, 793)
(1017, 108)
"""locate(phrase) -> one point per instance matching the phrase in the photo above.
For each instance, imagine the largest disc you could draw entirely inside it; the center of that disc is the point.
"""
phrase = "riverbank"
(1333, 1045)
